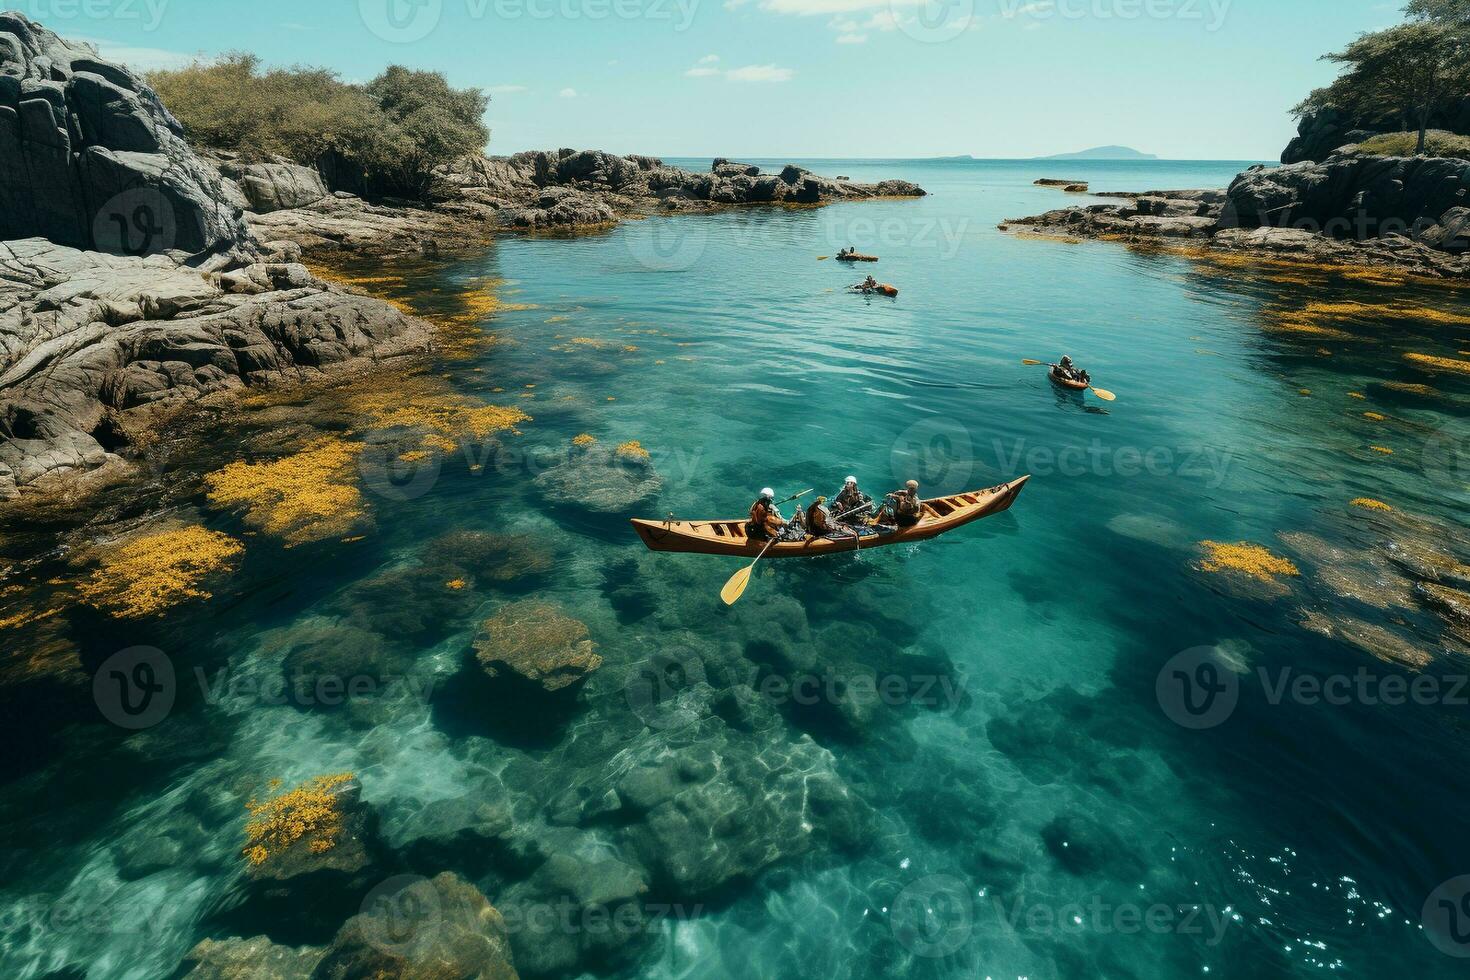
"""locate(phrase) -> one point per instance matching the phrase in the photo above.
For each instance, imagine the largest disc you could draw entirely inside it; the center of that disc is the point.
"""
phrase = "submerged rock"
(536, 642)
(422, 929)
(597, 917)
(1368, 637)
(249, 959)
(601, 480)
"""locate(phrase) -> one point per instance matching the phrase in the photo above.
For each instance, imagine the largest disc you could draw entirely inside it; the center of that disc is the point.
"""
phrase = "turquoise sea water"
(1035, 807)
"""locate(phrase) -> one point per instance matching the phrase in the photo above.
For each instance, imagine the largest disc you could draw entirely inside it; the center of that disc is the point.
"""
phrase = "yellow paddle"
(823, 258)
(735, 587)
(1102, 393)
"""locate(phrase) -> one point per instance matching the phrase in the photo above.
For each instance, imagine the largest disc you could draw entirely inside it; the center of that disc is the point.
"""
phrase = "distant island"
(1104, 153)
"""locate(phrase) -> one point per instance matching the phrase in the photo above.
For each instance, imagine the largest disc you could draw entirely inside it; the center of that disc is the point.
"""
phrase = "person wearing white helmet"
(765, 517)
(852, 502)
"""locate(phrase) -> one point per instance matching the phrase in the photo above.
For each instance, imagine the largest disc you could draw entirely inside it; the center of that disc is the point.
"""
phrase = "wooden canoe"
(1067, 382)
(856, 257)
(941, 514)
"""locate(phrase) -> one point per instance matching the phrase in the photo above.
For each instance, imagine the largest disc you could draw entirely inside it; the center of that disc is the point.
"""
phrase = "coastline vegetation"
(382, 138)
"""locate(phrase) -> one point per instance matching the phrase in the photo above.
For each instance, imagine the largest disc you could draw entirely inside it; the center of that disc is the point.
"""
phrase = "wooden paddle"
(1102, 393)
(735, 587)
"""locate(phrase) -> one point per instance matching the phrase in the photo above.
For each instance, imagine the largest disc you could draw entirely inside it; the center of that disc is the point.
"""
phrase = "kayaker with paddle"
(819, 518)
(765, 517)
(1069, 371)
(853, 502)
(903, 507)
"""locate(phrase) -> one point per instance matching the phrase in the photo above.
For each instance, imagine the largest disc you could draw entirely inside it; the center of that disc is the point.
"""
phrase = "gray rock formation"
(249, 959)
(90, 158)
(1319, 134)
(88, 340)
(428, 929)
(280, 185)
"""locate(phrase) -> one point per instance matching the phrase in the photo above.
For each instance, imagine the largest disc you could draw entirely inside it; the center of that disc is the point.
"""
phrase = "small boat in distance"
(856, 257)
(728, 537)
(1066, 382)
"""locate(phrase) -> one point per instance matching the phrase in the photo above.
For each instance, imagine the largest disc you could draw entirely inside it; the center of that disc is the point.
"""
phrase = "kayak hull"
(857, 258)
(1067, 383)
(940, 515)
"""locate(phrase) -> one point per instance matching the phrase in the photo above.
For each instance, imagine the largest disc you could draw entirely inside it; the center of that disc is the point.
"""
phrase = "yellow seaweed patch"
(1357, 394)
(1368, 503)
(148, 573)
(1304, 392)
(1375, 417)
(25, 617)
(1247, 558)
(441, 415)
(309, 811)
(584, 439)
(1438, 363)
(455, 583)
(632, 450)
(1410, 389)
(307, 496)
(1382, 449)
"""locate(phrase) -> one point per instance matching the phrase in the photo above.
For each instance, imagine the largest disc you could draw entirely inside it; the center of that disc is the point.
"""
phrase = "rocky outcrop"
(280, 185)
(90, 342)
(90, 158)
(536, 642)
(1320, 134)
(1410, 213)
(422, 929)
(601, 481)
(249, 959)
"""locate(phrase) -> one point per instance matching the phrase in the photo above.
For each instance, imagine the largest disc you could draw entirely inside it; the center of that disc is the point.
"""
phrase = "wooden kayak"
(855, 257)
(1068, 382)
(882, 289)
(940, 515)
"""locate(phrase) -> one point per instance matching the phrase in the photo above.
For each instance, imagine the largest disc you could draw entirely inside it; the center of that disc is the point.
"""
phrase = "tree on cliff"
(386, 137)
(1405, 71)
(1446, 11)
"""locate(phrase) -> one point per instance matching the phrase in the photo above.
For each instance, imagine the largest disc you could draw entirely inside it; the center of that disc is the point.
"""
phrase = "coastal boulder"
(280, 186)
(422, 929)
(90, 158)
(602, 481)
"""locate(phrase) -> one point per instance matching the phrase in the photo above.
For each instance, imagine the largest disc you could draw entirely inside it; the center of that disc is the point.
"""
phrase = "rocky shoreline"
(137, 272)
(1405, 214)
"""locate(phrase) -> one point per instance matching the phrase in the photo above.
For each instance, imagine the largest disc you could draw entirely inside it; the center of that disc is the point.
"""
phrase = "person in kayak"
(765, 517)
(903, 507)
(1069, 371)
(853, 506)
(819, 518)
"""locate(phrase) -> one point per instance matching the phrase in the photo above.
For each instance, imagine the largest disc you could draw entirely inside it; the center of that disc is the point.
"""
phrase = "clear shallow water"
(1025, 823)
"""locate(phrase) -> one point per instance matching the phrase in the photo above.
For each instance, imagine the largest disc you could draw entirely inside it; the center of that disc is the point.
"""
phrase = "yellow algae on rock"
(585, 439)
(147, 573)
(1358, 395)
(455, 583)
(1382, 449)
(632, 450)
(309, 811)
(307, 496)
(1432, 363)
(1368, 503)
(1411, 389)
(1375, 416)
(1246, 558)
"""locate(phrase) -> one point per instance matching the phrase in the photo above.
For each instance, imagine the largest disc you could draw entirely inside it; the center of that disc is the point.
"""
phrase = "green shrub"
(382, 138)
(1438, 143)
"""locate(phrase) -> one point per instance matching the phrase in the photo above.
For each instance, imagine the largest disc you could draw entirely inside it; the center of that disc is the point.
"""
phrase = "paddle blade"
(1105, 395)
(735, 588)
(823, 258)
(1031, 362)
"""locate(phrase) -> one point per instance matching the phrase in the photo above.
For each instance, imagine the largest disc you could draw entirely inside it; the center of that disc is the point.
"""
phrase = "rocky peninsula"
(1407, 214)
(139, 272)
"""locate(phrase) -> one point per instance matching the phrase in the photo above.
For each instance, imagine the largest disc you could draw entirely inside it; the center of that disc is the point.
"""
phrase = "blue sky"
(1195, 79)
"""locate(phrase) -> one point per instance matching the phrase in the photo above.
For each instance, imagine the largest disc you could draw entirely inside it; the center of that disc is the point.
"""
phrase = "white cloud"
(505, 89)
(760, 73)
(702, 72)
(144, 59)
(882, 20)
(709, 59)
(851, 38)
(568, 93)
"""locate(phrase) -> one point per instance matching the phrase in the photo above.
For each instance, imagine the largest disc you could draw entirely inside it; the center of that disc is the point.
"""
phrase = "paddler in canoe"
(902, 508)
(1069, 375)
(851, 501)
(870, 285)
(766, 521)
